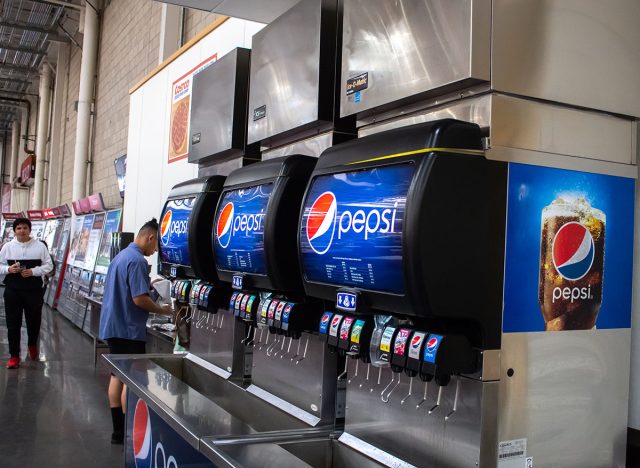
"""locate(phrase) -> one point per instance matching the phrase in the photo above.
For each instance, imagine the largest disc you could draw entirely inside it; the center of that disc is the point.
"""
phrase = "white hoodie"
(33, 249)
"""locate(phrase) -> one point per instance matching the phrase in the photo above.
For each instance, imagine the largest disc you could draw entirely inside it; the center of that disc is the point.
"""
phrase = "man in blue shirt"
(125, 309)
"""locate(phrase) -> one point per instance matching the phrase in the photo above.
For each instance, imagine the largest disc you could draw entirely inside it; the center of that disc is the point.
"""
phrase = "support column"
(24, 133)
(56, 155)
(170, 30)
(42, 135)
(15, 151)
(85, 100)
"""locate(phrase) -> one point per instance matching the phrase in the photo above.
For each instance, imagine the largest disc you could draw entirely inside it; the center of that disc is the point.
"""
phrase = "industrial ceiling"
(27, 29)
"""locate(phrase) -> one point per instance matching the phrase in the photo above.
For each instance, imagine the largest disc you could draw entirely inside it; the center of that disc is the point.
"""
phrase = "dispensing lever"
(437, 405)
(408, 394)
(455, 400)
(424, 395)
(384, 398)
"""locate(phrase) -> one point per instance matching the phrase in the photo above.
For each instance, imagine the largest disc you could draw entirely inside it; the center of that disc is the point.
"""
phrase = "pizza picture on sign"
(178, 144)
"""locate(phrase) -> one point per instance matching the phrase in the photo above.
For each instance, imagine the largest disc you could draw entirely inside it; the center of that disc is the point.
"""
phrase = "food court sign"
(180, 110)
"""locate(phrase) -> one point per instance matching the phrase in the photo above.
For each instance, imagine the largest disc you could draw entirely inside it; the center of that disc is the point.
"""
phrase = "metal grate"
(27, 27)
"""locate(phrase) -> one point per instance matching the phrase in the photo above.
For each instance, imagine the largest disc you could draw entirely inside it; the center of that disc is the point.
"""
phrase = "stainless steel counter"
(199, 403)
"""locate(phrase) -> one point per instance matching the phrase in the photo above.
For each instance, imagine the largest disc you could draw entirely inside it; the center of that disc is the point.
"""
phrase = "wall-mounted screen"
(174, 231)
(239, 229)
(351, 230)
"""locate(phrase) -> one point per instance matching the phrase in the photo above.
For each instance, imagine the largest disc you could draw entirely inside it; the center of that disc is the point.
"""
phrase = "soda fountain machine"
(404, 232)
(255, 250)
(185, 258)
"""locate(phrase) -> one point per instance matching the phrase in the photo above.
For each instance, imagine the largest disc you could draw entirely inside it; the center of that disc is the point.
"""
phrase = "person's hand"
(26, 273)
(15, 268)
(166, 309)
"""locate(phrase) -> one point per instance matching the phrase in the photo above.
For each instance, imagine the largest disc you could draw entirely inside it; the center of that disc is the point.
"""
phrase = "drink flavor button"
(335, 325)
(324, 322)
(431, 348)
(401, 341)
(286, 312)
(387, 336)
(272, 312)
(416, 342)
(249, 308)
(345, 328)
(356, 331)
(232, 301)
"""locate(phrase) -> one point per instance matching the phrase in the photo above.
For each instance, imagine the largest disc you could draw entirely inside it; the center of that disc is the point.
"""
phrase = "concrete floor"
(54, 412)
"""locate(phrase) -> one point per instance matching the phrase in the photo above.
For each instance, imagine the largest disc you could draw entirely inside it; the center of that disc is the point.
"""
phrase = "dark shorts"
(124, 346)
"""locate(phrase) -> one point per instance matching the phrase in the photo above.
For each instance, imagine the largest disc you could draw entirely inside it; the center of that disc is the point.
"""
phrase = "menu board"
(239, 229)
(83, 241)
(7, 231)
(37, 229)
(50, 232)
(94, 242)
(55, 241)
(75, 239)
(174, 231)
(111, 225)
(351, 229)
(60, 246)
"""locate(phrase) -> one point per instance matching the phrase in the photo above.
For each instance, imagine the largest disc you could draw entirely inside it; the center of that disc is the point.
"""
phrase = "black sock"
(117, 417)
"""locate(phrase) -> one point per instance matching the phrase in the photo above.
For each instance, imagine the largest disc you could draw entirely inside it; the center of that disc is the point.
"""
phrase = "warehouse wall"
(195, 21)
(130, 39)
(128, 50)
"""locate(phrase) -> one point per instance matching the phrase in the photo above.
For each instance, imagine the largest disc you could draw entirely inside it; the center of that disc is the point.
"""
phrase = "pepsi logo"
(573, 251)
(165, 226)
(223, 227)
(432, 344)
(142, 436)
(325, 319)
(321, 222)
(415, 342)
(335, 321)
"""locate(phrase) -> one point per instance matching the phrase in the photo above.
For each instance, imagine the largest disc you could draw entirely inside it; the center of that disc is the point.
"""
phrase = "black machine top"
(409, 221)
(185, 229)
(254, 234)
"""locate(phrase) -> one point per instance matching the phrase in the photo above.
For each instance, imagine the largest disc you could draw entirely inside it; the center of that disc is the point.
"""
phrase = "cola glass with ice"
(571, 264)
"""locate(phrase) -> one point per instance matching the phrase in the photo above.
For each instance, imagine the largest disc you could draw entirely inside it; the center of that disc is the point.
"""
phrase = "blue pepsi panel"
(569, 250)
(239, 229)
(174, 231)
(151, 442)
(351, 230)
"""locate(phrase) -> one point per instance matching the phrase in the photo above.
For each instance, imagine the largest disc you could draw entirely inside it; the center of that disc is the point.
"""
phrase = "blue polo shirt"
(127, 277)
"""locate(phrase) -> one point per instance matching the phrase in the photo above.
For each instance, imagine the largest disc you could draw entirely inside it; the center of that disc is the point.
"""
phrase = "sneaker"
(13, 363)
(33, 353)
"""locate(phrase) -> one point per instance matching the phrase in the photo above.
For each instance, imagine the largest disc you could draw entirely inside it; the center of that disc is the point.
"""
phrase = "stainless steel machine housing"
(293, 70)
(218, 120)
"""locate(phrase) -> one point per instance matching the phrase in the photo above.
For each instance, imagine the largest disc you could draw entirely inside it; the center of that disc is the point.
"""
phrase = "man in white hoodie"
(24, 261)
